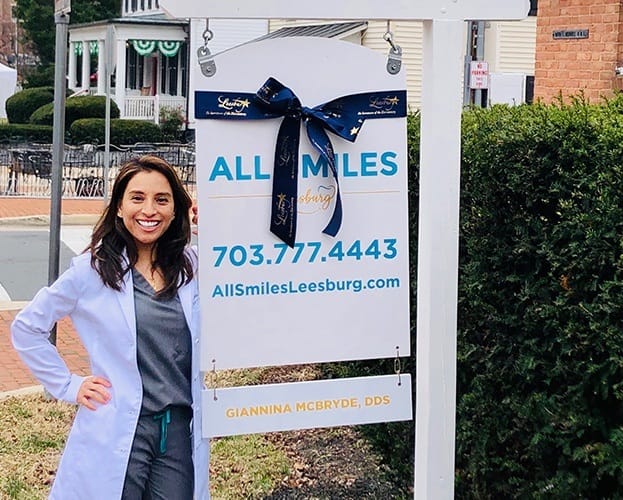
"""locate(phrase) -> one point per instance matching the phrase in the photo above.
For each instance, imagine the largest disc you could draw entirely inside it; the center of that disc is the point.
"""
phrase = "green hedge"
(540, 407)
(540, 313)
(88, 106)
(91, 130)
(22, 104)
(25, 133)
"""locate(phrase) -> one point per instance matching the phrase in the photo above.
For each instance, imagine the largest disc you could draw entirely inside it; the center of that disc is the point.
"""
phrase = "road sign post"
(61, 19)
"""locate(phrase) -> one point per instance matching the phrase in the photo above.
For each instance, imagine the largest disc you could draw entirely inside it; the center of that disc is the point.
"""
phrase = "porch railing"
(148, 107)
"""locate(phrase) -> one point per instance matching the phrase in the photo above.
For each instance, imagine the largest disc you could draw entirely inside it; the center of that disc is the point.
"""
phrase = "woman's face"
(147, 208)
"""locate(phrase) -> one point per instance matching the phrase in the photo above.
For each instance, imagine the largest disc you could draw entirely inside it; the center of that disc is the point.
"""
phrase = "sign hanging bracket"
(204, 56)
(394, 58)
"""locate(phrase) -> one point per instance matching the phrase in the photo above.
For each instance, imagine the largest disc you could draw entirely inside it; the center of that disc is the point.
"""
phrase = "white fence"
(148, 107)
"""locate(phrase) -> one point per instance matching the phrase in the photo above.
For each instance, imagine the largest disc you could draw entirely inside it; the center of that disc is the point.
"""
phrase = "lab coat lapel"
(126, 301)
(186, 299)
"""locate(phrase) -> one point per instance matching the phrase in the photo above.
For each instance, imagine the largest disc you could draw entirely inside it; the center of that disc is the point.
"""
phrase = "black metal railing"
(25, 169)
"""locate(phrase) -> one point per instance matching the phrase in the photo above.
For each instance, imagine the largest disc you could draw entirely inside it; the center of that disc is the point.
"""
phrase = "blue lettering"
(387, 159)
(221, 168)
(368, 160)
(311, 168)
(345, 164)
(218, 291)
(239, 175)
(369, 163)
(259, 175)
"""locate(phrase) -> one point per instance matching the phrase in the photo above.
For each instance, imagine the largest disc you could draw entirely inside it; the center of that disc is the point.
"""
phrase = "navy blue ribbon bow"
(343, 116)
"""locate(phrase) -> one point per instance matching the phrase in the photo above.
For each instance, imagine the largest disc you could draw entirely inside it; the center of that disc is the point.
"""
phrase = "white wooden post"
(101, 64)
(72, 66)
(120, 76)
(440, 159)
(86, 66)
(442, 96)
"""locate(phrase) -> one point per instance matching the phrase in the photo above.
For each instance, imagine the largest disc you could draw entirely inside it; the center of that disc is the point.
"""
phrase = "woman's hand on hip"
(93, 390)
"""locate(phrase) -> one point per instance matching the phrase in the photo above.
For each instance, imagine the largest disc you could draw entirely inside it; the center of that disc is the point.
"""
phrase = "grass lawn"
(321, 463)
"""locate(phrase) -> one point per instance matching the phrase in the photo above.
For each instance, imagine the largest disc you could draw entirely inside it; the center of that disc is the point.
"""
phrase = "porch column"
(120, 77)
(71, 68)
(86, 66)
(101, 62)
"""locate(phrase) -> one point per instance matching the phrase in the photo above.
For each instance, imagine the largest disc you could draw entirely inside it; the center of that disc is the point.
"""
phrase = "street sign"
(478, 75)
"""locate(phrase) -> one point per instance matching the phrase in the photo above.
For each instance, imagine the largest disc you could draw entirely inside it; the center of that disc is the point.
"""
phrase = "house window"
(174, 72)
(169, 74)
(134, 75)
(529, 89)
(533, 7)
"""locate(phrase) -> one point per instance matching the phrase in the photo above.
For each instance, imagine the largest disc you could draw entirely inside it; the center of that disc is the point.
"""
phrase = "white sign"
(306, 405)
(479, 75)
(351, 9)
(328, 298)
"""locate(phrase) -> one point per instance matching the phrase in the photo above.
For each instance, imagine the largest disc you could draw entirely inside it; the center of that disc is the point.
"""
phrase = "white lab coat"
(95, 458)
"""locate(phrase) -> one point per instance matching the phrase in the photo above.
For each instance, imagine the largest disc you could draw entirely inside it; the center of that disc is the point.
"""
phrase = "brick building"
(579, 46)
(7, 33)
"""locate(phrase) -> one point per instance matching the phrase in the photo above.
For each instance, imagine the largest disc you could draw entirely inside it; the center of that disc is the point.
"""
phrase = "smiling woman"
(133, 300)
(147, 209)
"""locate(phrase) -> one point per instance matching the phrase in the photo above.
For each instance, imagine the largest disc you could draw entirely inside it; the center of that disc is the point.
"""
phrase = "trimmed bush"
(91, 130)
(540, 342)
(38, 76)
(22, 104)
(88, 106)
(540, 312)
(25, 133)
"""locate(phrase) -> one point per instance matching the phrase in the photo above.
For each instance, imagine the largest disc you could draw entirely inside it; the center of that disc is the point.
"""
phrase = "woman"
(133, 300)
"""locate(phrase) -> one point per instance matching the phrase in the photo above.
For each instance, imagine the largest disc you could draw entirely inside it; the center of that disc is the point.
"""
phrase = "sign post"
(439, 194)
(61, 19)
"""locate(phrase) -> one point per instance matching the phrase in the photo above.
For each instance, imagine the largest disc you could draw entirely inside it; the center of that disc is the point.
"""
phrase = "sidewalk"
(14, 376)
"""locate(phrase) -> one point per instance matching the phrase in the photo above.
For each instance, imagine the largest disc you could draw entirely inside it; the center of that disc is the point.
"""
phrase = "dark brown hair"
(110, 236)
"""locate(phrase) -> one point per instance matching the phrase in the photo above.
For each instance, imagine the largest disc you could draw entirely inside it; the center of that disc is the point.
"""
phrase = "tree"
(38, 21)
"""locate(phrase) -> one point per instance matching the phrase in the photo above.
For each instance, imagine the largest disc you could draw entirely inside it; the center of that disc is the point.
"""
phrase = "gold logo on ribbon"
(236, 105)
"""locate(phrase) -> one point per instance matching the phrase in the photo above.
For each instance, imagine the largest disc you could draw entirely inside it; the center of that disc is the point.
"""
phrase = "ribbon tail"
(320, 140)
(335, 223)
(283, 215)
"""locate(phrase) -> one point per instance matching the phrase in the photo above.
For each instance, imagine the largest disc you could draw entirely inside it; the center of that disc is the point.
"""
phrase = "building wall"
(7, 33)
(509, 47)
(568, 66)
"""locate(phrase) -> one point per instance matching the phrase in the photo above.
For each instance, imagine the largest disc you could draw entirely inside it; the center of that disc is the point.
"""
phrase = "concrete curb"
(26, 391)
(44, 220)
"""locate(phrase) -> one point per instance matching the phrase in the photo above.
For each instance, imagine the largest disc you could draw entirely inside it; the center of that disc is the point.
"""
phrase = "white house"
(152, 54)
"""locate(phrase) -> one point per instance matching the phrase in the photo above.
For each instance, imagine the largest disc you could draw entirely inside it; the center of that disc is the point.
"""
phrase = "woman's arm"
(30, 332)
